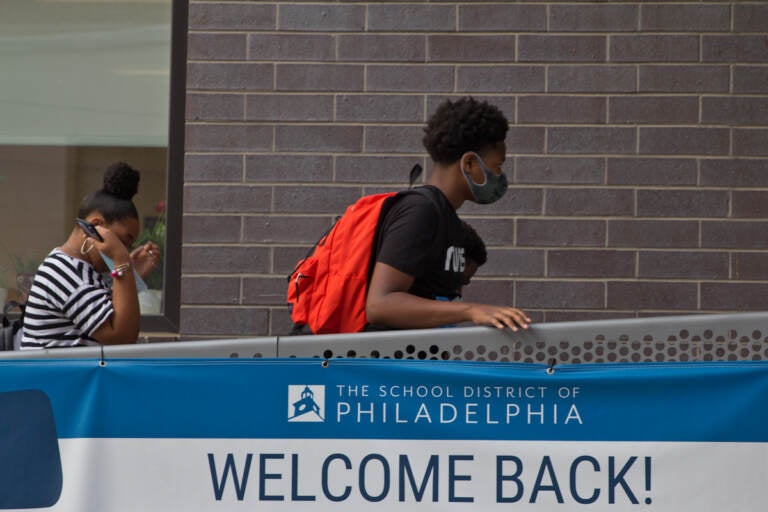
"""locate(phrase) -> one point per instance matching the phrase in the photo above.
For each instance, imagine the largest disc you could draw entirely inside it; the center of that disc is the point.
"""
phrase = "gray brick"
(491, 292)
(264, 290)
(315, 199)
(411, 17)
(750, 204)
(410, 78)
(289, 107)
(750, 79)
(734, 296)
(221, 16)
(291, 47)
(220, 168)
(654, 109)
(318, 138)
(512, 262)
(556, 48)
(734, 173)
(380, 108)
(592, 79)
(394, 139)
(590, 202)
(654, 48)
(578, 140)
(224, 321)
(214, 107)
(682, 203)
(271, 229)
(228, 137)
(593, 18)
(581, 316)
(224, 260)
(739, 111)
(295, 168)
(561, 109)
(525, 140)
(655, 295)
(682, 265)
(498, 232)
(560, 233)
(375, 169)
(653, 233)
(750, 142)
(686, 18)
(750, 17)
(382, 48)
(560, 170)
(749, 265)
(211, 228)
(679, 78)
(286, 258)
(216, 46)
(500, 79)
(732, 234)
(470, 48)
(230, 76)
(590, 263)
(226, 198)
(210, 290)
(502, 17)
(560, 294)
(652, 171)
(684, 141)
(321, 17)
(517, 201)
(734, 48)
(280, 323)
(319, 77)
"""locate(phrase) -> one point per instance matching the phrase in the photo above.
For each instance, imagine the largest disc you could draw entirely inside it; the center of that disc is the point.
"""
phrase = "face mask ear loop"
(482, 168)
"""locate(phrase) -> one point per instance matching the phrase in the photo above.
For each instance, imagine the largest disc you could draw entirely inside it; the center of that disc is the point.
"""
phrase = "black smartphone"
(89, 229)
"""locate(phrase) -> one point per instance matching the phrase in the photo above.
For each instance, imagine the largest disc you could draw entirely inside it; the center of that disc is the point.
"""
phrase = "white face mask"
(140, 284)
(492, 189)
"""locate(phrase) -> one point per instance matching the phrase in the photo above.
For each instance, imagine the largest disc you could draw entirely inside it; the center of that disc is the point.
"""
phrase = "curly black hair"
(463, 125)
(114, 201)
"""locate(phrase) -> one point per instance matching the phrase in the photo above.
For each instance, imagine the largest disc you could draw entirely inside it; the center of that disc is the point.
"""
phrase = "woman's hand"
(112, 246)
(146, 258)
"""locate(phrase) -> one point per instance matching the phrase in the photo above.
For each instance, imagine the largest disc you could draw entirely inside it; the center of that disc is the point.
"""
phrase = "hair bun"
(121, 180)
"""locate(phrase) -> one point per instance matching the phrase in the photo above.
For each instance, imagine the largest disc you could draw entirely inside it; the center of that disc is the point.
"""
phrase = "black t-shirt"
(421, 235)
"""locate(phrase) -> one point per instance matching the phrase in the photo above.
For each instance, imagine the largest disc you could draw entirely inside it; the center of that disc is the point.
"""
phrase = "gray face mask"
(491, 190)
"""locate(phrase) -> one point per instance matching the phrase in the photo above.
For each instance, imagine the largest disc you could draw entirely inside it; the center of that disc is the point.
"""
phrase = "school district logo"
(306, 403)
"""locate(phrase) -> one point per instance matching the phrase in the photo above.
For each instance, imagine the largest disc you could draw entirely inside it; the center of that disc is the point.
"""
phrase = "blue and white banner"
(292, 434)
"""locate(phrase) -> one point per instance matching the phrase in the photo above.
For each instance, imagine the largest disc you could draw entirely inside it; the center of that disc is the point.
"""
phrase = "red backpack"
(327, 289)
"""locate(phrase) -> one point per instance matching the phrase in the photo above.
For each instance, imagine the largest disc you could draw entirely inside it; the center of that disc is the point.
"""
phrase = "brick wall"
(638, 147)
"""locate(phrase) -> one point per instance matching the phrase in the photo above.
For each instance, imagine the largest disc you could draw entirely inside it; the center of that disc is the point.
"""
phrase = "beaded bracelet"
(120, 270)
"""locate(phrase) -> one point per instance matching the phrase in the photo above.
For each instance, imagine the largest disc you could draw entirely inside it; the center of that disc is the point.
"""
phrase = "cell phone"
(89, 229)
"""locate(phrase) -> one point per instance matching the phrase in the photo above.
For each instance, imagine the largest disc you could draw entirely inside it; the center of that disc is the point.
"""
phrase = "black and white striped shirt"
(68, 301)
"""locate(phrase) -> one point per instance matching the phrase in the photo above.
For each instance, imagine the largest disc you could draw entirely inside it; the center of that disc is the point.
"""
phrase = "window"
(85, 84)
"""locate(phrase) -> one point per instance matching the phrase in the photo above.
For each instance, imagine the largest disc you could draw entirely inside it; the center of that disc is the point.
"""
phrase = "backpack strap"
(422, 191)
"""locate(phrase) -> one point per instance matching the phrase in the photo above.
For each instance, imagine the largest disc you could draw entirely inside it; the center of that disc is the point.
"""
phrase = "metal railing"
(726, 337)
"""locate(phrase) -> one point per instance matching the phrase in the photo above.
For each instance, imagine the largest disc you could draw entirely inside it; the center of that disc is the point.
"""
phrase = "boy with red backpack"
(416, 252)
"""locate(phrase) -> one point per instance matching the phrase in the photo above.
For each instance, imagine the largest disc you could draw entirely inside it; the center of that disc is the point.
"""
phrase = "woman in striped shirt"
(70, 302)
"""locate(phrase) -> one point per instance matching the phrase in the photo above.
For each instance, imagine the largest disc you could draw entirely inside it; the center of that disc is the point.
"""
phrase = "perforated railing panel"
(730, 337)
(675, 338)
